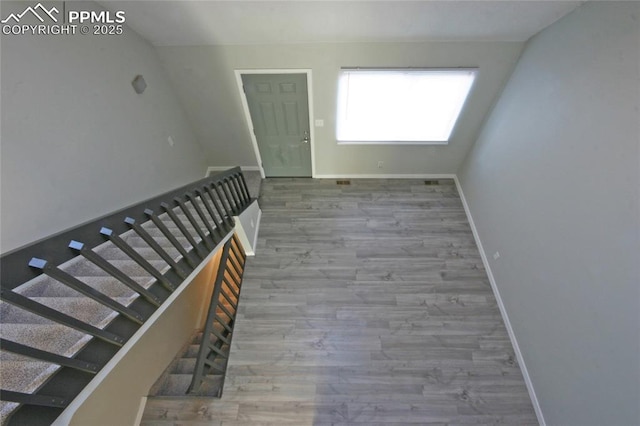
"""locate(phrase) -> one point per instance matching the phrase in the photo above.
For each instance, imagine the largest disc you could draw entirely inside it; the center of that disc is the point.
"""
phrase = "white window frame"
(341, 100)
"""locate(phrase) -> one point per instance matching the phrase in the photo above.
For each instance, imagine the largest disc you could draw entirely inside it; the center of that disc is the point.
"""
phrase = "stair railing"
(206, 206)
(215, 345)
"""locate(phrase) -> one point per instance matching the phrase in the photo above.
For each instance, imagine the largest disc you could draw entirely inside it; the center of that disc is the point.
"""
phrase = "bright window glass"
(413, 106)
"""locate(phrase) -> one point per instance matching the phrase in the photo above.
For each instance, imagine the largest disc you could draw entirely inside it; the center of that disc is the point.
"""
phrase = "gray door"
(280, 113)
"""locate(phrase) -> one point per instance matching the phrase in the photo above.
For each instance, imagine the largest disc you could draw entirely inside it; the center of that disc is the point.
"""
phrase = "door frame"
(247, 113)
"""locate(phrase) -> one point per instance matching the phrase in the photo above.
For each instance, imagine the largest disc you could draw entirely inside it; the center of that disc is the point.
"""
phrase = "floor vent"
(432, 182)
(343, 182)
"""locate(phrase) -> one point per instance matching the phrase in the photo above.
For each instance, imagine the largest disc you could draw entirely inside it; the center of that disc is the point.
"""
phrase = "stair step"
(88, 269)
(6, 408)
(10, 314)
(25, 376)
(188, 366)
(106, 285)
(143, 248)
(83, 308)
(114, 253)
(192, 351)
(52, 337)
(177, 385)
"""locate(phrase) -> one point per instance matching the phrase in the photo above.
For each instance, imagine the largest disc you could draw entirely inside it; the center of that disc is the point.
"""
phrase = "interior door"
(279, 109)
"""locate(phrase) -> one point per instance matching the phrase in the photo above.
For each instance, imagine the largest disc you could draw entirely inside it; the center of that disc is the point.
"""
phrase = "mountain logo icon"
(34, 11)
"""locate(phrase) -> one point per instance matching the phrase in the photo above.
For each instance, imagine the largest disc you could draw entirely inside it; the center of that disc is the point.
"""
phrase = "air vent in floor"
(343, 182)
(432, 182)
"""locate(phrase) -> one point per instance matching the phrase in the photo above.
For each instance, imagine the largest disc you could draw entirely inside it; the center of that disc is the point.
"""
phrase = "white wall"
(553, 184)
(77, 141)
(204, 76)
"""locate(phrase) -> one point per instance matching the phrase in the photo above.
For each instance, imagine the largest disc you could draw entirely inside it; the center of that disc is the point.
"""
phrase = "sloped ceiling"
(194, 23)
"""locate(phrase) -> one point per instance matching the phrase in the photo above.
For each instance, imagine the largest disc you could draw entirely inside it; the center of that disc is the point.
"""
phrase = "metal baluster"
(223, 199)
(228, 190)
(184, 230)
(130, 251)
(246, 188)
(172, 238)
(231, 287)
(28, 351)
(226, 219)
(156, 247)
(90, 292)
(33, 399)
(194, 223)
(203, 351)
(217, 224)
(57, 316)
(109, 268)
(237, 196)
(194, 202)
(244, 198)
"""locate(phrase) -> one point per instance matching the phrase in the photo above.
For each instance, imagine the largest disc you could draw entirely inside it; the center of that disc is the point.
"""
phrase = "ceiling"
(190, 23)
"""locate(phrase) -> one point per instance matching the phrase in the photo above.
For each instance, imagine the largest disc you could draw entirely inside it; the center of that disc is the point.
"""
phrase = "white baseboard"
(388, 176)
(211, 169)
(503, 311)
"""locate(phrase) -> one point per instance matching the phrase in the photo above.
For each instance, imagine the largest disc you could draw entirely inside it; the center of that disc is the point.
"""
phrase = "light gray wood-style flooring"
(365, 304)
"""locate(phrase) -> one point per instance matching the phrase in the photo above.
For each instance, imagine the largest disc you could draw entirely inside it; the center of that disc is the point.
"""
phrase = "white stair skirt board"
(503, 311)
(247, 225)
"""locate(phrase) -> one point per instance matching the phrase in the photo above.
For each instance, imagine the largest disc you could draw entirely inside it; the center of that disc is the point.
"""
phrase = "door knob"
(305, 137)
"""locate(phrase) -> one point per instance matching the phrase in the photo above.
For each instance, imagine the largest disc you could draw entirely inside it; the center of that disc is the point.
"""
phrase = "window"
(400, 106)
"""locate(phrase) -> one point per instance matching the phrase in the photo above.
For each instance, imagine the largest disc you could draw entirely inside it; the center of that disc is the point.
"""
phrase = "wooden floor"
(365, 304)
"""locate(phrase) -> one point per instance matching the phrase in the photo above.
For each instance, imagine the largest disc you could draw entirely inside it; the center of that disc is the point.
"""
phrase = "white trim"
(143, 404)
(68, 413)
(255, 238)
(212, 169)
(390, 176)
(247, 114)
(247, 227)
(503, 311)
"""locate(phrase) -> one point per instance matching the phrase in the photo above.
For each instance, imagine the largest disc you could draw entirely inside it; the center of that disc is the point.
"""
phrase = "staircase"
(177, 379)
(200, 369)
(71, 301)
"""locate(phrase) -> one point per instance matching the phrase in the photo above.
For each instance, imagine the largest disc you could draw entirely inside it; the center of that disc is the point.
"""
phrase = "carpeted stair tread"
(22, 376)
(192, 351)
(55, 338)
(10, 314)
(188, 365)
(254, 182)
(82, 308)
(19, 376)
(145, 250)
(178, 384)
(6, 408)
(106, 285)
(114, 253)
(87, 269)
